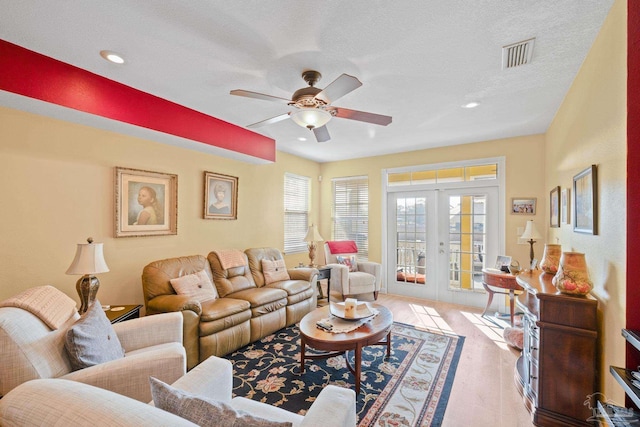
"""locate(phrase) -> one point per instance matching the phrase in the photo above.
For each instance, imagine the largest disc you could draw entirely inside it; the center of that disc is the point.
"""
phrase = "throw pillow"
(91, 340)
(197, 286)
(202, 410)
(274, 271)
(350, 261)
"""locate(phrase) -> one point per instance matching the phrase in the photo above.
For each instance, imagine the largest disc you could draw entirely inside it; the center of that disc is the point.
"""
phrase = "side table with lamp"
(311, 238)
(493, 278)
(121, 313)
(89, 260)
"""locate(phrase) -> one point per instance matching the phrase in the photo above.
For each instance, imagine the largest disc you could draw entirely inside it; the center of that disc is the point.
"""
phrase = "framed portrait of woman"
(220, 196)
(146, 203)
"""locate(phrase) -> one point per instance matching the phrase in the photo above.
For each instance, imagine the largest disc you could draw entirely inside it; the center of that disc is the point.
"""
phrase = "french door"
(438, 241)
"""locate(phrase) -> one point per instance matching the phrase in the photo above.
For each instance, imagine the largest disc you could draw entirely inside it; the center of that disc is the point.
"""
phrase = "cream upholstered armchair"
(33, 328)
(46, 402)
(349, 275)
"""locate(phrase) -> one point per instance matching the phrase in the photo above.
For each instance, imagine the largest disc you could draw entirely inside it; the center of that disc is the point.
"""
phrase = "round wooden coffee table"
(371, 333)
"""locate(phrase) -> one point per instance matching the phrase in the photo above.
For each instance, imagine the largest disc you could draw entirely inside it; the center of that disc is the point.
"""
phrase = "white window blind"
(296, 212)
(351, 212)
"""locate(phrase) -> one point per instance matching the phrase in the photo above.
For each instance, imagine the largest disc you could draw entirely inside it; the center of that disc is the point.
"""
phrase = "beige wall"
(524, 178)
(57, 187)
(590, 128)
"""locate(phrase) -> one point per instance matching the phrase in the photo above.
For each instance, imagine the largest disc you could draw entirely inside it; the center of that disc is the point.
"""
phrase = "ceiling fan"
(313, 107)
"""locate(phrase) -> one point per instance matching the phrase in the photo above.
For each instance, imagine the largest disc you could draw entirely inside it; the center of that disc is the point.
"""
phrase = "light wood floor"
(484, 392)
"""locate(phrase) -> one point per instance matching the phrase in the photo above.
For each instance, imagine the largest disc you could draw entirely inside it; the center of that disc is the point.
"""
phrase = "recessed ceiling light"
(471, 105)
(302, 138)
(110, 56)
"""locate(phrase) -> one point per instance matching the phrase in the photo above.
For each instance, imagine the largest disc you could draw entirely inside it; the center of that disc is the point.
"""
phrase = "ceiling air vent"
(517, 54)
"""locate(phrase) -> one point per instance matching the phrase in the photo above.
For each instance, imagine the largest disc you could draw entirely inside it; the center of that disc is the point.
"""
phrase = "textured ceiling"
(419, 61)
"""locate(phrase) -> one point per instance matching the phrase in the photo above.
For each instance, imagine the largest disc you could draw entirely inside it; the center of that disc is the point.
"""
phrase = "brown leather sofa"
(244, 312)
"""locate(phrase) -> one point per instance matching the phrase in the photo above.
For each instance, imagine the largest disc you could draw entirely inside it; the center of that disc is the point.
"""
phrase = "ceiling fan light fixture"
(310, 118)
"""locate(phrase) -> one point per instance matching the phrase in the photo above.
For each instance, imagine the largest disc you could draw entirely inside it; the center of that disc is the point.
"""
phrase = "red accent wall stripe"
(633, 175)
(34, 75)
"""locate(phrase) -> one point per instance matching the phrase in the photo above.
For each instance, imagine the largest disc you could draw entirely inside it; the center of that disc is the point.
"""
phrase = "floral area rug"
(411, 388)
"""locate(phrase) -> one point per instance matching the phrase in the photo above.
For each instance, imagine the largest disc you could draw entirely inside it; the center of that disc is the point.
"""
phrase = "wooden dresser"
(557, 371)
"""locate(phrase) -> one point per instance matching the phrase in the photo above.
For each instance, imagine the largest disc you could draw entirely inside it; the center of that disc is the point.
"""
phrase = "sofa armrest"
(374, 269)
(213, 378)
(303, 273)
(48, 402)
(149, 331)
(169, 303)
(129, 375)
(340, 278)
(337, 401)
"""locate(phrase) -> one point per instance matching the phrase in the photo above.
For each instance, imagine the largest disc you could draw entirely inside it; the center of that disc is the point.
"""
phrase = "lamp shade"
(531, 232)
(89, 259)
(310, 117)
(313, 235)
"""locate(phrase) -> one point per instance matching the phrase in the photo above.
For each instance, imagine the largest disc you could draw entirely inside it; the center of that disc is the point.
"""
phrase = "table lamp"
(531, 234)
(311, 238)
(89, 260)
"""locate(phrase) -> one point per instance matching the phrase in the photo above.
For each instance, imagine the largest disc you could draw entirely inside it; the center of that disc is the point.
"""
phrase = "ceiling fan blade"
(339, 88)
(275, 119)
(322, 134)
(376, 119)
(256, 95)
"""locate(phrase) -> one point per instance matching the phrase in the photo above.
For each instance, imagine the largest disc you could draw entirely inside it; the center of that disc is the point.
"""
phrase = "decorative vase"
(572, 276)
(551, 258)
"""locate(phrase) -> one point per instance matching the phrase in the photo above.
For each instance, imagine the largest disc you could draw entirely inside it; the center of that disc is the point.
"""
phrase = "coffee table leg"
(389, 345)
(302, 346)
(358, 360)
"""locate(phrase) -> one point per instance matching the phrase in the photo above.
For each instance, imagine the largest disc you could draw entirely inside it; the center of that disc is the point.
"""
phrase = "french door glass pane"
(467, 241)
(411, 239)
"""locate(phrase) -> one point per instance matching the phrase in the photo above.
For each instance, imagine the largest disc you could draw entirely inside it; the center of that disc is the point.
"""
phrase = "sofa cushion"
(262, 296)
(350, 261)
(291, 287)
(230, 280)
(197, 285)
(91, 340)
(222, 308)
(202, 410)
(274, 271)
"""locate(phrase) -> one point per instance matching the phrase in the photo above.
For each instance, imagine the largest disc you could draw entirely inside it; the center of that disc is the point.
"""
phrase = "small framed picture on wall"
(565, 206)
(220, 196)
(523, 205)
(585, 196)
(146, 203)
(554, 208)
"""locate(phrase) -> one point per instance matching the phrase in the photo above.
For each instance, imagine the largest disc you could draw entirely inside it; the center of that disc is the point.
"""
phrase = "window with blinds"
(351, 212)
(296, 212)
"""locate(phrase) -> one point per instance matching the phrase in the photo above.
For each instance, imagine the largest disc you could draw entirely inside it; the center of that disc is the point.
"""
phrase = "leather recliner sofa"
(243, 312)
